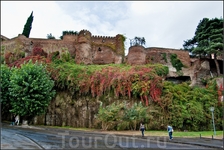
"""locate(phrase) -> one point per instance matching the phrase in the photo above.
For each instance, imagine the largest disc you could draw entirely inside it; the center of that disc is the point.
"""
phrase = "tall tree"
(28, 25)
(208, 39)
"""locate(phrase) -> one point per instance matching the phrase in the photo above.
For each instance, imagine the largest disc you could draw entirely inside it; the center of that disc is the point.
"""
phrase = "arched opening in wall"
(99, 49)
(179, 79)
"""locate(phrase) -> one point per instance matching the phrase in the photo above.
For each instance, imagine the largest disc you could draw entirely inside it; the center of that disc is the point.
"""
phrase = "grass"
(185, 134)
(155, 133)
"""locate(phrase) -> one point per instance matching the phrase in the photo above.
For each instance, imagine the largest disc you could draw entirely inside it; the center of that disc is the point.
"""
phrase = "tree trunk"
(217, 66)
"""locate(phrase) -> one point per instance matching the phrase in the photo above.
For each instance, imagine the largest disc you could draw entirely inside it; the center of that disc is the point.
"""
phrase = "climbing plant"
(176, 62)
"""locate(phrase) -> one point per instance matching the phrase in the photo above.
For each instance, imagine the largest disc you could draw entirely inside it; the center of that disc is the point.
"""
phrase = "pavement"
(210, 142)
(216, 142)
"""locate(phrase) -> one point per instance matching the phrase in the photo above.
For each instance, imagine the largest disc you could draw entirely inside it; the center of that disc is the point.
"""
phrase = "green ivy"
(164, 57)
(188, 107)
(176, 62)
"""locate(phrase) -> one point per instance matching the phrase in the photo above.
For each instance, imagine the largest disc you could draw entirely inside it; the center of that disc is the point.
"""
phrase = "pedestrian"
(13, 120)
(17, 120)
(170, 132)
(142, 128)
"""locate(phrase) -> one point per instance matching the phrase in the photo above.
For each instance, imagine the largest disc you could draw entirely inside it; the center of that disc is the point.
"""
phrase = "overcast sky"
(162, 24)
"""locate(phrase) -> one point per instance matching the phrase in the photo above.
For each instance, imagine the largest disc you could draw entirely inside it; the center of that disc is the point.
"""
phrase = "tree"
(4, 94)
(31, 90)
(28, 25)
(139, 41)
(69, 33)
(50, 36)
(136, 114)
(208, 39)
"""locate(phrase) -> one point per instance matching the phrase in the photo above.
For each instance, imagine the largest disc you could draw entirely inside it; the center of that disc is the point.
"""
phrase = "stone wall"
(65, 110)
(136, 55)
(83, 46)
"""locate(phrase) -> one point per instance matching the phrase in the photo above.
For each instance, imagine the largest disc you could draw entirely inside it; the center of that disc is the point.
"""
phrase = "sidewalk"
(216, 142)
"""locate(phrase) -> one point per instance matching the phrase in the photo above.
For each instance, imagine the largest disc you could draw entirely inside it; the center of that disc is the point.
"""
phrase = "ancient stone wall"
(86, 49)
(140, 55)
(65, 110)
(157, 55)
(136, 55)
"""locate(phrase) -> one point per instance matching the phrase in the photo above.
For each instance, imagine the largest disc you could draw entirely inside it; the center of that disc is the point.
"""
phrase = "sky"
(164, 24)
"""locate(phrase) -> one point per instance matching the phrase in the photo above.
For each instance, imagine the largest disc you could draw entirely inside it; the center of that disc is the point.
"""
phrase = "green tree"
(69, 33)
(136, 114)
(28, 25)
(31, 90)
(50, 36)
(4, 94)
(208, 39)
(139, 41)
(110, 115)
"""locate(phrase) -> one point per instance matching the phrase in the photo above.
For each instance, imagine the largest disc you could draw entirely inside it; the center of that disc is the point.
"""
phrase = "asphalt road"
(19, 137)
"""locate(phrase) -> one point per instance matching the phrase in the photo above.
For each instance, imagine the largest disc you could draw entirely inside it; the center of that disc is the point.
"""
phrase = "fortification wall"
(103, 40)
(53, 45)
(136, 55)
(71, 38)
(156, 55)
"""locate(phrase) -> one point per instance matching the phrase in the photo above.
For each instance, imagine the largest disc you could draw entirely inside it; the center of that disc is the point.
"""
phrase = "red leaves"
(21, 61)
(39, 51)
(121, 81)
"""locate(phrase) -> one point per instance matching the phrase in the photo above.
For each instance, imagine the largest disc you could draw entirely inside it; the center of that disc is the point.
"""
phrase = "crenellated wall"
(86, 48)
(93, 49)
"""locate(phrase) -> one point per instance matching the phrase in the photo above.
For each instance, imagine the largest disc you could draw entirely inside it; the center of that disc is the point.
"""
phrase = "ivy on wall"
(176, 62)
(143, 82)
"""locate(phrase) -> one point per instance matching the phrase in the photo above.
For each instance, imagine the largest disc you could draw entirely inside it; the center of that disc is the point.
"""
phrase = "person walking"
(142, 128)
(170, 132)
(17, 120)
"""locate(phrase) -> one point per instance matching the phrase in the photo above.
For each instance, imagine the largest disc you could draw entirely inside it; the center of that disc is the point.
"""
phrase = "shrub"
(31, 90)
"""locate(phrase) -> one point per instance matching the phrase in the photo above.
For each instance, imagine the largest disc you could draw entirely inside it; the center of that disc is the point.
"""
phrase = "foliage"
(208, 39)
(11, 57)
(4, 94)
(38, 51)
(110, 115)
(136, 114)
(138, 41)
(31, 90)
(120, 116)
(164, 57)
(50, 36)
(69, 33)
(176, 62)
(65, 55)
(34, 59)
(187, 108)
(138, 81)
(28, 25)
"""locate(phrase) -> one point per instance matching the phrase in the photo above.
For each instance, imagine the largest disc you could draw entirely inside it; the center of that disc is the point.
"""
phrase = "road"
(18, 137)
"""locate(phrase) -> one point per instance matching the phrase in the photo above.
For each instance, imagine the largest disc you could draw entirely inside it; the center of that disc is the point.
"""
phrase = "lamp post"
(212, 110)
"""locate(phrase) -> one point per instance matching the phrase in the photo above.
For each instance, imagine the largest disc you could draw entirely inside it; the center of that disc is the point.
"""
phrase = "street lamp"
(212, 110)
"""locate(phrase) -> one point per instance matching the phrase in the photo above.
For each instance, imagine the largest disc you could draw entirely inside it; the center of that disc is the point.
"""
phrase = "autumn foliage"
(128, 81)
